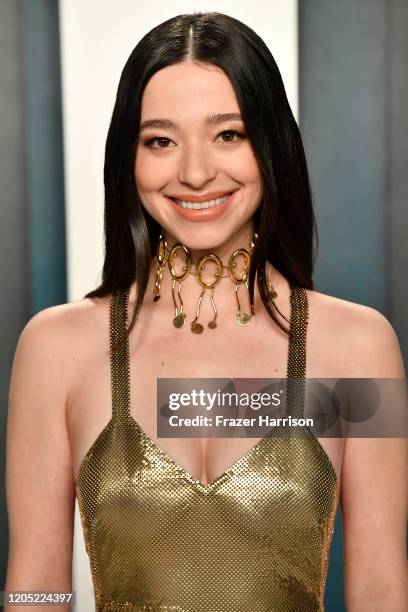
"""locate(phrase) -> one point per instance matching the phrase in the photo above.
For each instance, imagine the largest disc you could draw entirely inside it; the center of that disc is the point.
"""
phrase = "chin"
(206, 240)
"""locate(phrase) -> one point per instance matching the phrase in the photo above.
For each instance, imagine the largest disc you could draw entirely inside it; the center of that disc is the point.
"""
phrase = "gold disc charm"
(197, 328)
(243, 318)
(179, 319)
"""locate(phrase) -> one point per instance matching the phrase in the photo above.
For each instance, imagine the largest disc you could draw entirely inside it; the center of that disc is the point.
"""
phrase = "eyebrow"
(211, 119)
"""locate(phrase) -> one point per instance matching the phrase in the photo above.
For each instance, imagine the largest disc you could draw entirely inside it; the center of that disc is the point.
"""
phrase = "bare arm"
(39, 481)
(375, 492)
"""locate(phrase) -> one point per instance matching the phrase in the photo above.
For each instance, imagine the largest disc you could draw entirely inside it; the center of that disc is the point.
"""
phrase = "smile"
(199, 206)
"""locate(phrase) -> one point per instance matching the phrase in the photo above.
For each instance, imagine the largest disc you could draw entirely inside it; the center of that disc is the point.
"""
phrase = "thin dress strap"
(296, 372)
(297, 332)
(119, 357)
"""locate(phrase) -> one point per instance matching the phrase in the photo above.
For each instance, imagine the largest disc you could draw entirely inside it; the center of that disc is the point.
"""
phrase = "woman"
(203, 157)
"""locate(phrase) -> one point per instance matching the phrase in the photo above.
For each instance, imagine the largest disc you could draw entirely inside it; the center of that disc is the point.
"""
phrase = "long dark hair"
(284, 220)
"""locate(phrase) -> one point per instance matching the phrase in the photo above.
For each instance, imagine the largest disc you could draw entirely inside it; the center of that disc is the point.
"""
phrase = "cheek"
(253, 174)
(245, 168)
(150, 172)
(252, 178)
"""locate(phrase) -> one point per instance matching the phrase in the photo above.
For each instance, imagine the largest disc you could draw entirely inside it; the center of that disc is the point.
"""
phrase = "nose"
(196, 166)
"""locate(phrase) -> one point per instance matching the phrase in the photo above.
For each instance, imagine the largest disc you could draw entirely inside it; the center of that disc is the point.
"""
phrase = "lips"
(203, 214)
(198, 199)
(204, 204)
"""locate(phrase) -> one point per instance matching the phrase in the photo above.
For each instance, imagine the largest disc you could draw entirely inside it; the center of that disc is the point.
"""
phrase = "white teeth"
(198, 206)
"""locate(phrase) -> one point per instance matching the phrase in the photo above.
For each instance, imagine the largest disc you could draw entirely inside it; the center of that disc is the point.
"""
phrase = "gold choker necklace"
(198, 270)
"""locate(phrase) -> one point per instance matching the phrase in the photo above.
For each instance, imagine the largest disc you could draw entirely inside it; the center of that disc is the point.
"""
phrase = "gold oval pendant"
(212, 324)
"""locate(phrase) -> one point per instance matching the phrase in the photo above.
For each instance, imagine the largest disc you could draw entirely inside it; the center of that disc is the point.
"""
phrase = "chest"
(153, 355)
(245, 352)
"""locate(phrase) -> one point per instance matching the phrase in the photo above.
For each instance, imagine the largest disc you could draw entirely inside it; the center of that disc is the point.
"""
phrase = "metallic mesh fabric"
(255, 540)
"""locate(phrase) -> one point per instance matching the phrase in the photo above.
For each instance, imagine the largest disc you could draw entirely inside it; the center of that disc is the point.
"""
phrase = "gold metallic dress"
(255, 540)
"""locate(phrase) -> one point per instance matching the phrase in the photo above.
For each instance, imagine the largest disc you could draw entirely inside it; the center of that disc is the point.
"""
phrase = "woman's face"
(194, 151)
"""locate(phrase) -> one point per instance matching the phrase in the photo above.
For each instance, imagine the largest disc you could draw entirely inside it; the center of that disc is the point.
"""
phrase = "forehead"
(187, 90)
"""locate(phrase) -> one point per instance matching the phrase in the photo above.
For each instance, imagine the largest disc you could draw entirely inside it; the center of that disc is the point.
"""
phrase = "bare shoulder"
(60, 336)
(77, 317)
(64, 319)
(358, 339)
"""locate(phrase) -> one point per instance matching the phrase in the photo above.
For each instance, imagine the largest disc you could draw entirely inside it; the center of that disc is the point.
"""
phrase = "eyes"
(237, 137)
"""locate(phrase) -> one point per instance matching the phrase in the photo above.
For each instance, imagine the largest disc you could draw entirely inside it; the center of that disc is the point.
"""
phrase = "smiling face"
(197, 154)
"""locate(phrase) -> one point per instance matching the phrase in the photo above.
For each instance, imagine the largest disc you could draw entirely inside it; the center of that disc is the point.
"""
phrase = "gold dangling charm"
(161, 258)
(254, 239)
(251, 303)
(242, 317)
(272, 292)
(212, 324)
(180, 316)
(197, 328)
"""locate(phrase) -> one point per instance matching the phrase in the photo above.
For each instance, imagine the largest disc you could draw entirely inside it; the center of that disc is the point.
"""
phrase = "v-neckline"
(196, 482)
